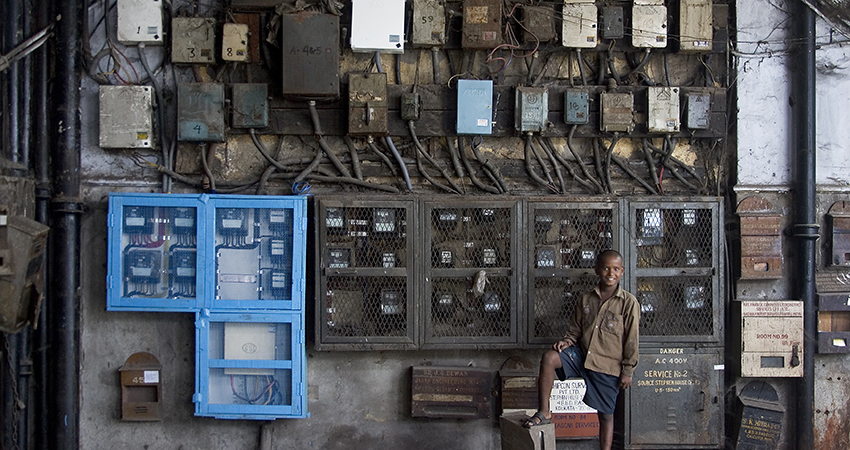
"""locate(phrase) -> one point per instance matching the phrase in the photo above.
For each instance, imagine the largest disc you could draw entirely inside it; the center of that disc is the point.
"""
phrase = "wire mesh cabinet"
(563, 239)
(471, 253)
(153, 252)
(365, 274)
(250, 366)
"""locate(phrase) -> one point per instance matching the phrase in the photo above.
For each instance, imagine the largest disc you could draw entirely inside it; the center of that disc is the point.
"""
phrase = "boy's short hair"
(606, 253)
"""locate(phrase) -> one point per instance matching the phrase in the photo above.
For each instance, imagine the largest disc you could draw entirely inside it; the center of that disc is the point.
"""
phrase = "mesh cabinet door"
(365, 274)
(563, 242)
(471, 281)
(675, 268)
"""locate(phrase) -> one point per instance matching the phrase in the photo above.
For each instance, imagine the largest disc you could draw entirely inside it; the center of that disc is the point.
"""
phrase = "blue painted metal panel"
(474, 107)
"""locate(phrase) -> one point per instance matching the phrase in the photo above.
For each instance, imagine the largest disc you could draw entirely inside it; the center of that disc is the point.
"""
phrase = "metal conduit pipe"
(64, 269)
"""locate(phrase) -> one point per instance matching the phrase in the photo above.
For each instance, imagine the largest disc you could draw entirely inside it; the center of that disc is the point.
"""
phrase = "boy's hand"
(560, 346)
(625, 381)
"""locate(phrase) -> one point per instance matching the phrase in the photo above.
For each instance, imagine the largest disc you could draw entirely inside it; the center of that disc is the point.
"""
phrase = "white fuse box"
(192, 40)
(649, 26)
(429, 23)
(579, 29)
(126, 117)
(377, 25)
(140, 21)
(663, 109)
(695, 26)
(234, 42)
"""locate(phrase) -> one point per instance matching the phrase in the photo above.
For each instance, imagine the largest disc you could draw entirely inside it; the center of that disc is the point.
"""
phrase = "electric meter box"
(616, 112)
(695, 26)
(193, 40)
(649, 26)
(140, 21)
(475, 107)
(575, 107)
(482, 24)
(367, 103)
(250, 105)
(200, 112)
(429, 23)
(699, 107)
(310, 49)
(579, 28)
(532, 109)
(126, 117)
(250, 366)
(662, 109)
(611, 25)
(181, 252)
(377, 26)
(538, 24)
(234, 42)
(771, 338)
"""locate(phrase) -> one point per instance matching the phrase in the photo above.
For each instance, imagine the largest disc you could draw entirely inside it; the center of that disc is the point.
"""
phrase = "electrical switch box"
(411, 106)
(761, 239)
(531, 112)
(695, 26)
(663, 109)
(575, 107)
(234, 42)
(310, 46)
(193, 40)
(250, 105)
(611, 26)
(699, 106)
(579, 25)
(616, 112)
(475, 107)
(367, 103)
(834, 321)
(771, 338)
(482, 24)
(141, 388)
(126, 117)
(200, 112)
(838, 227)
(429, 23)
(377, 26)
(140, 21)
(538, 24)
(649, 26)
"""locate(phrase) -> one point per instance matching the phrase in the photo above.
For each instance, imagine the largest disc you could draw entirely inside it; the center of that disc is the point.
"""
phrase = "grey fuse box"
(310, 46)
(126, 117)
(192, 40)
(699, 106)
(616, 114)
(250, 105)
(429, 23)
(611, 26)
(662, 109)
(531, 112)
(367, 103)
(575, 107)
(200, 112)
(538, 23)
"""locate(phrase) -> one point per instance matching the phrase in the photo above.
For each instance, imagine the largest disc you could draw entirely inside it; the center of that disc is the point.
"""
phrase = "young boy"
(601, 346)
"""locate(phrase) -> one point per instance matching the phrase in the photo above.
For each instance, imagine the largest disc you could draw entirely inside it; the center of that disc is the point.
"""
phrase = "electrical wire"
(317, 130)
(554, 165)
(581, 165)
(548, 142)
(492, 171)
(355, 157)
(528, 168)
(421, 152)
(374, 148)
(160, 115)
(206, 165)
(472, 177)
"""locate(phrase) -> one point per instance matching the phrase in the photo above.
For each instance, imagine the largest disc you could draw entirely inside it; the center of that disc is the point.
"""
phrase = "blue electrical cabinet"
(155, 262)
(250, 365)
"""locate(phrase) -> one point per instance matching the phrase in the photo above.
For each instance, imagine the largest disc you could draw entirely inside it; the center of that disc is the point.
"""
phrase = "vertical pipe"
(63, 399)
(9, 377)
(806, 227)
(12, 36)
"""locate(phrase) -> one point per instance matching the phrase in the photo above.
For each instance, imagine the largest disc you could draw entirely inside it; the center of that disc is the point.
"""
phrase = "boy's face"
(610, 270)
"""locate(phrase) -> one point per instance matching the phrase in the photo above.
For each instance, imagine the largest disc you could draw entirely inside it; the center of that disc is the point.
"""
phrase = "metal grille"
(669, 238)
(676, 306)
(554, 304)
(471, 237)
(366, 306)
(456, 311)
(366, 237)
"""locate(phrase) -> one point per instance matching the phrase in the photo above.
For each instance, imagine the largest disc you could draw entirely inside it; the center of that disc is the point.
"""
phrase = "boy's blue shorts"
(602, 389)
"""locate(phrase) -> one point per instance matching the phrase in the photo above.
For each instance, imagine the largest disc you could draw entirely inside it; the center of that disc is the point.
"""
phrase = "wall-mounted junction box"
(140, 21)
(771, 338)
(200, 112)
(575, 107)
(411, 106)
(579, 29)
(695, 26)
(126, 117)
(699, 107)
(838, 227)
(192, 40)
(834, 322)
(250, 105)
(474, 107)
(761, 239)
(538, 24)
(310, 46)
(663, 109)
(531, 112)
(367, 103)
(482, 24)
(611, 23)
(649, 26)
(429, 23)
(616, 112)
(234, 42)
(377, 25)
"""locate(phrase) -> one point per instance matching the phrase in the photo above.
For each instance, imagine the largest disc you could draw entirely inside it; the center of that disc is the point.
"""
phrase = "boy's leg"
(606, 431)
(548, 363)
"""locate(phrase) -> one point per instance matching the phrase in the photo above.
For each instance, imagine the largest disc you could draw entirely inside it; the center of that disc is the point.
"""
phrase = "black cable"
(642, 63)
(264, 178)
(160, 114)
(454, 187)
(667, 158)
(600, 75)
(542, 165)
(580, 67)
(597, 163)
(400, 161)
(528, 167)
(548, 141)
(435, 64)
(610, 59)
(454, 157)
(355, 158)
(554, 165)
(492, 171)
(205, 150)
(608, 155)
(578, 159)
(475, 180)
(372, 146)
(667, 70)
(349, 180)
(624, 165)
(650, 161)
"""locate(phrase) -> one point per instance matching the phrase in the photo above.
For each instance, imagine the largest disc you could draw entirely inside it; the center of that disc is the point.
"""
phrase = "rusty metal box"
(429, 23)
(771, 338)
(834, 322)
(531, 113)
(367, 103)
(617, 112)
(193, 40)
(838, 227)
(538, 24)
(250, 105)
(200, 112)
(482, 24)
(761, 239)
(310, 47)
(451, 392)
(141, 388)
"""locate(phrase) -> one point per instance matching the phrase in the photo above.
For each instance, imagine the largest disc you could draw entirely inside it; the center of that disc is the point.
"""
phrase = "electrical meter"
(234, 42)
(532, 109)
(575, 107)
(649, 26)
(482, 24)
(139, 21)
(310, 48)
(538, 24)
(579, 25)
(192, 40)
(200, 112)
(474, 106)
(429, 23)
(698, 111)
(662, 109)
(126, 117)
(611, 26)
(377, 25)
(616, 114)
(367, 103)
(250, 105)
(695, 26)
